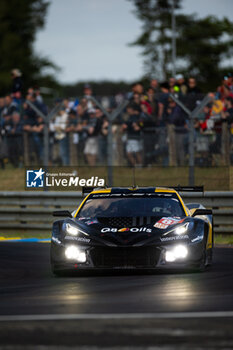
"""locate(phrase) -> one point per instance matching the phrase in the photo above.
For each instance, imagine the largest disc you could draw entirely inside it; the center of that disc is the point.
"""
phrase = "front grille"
(125, 257)
(120, 222)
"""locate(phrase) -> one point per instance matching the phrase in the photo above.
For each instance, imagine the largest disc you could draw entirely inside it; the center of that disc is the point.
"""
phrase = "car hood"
(130, 230)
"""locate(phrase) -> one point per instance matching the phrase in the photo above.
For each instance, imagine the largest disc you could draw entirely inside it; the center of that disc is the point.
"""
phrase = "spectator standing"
(154, 103)
(87, 92)
(192, 86)
(102, 137)
(163, 103)
(39, 98)
(193, 94)
(2, 144)
(37, 135)
(133, 127)
(180, 82)
(178, 119)
(15, 140)
(91, 146)
(58, 126)
(155, 86)
(17, 83)
(10, 107)
(172, 83)
(228, 113)
(2, 106)
(34, 125)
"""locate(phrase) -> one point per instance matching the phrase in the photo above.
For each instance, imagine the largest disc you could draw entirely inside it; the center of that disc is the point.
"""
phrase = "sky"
(88, 39)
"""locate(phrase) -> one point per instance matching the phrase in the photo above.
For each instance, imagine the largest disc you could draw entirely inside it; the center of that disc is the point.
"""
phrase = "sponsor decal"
(56, 240)
(173, 238)
(165, 222)
(80, 239)
(91, 222)
(198, 238)
(126, 229)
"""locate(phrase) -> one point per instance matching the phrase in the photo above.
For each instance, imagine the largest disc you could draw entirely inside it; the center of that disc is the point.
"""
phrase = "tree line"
(203, 46)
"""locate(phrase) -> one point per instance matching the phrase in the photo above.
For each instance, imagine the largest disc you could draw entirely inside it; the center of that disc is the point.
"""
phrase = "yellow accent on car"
(209, 241)
(104, 190)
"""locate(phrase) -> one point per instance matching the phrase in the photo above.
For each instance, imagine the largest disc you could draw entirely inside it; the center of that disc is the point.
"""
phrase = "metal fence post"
(46, 143)
(26, 147)
(192, 115)
(110, 154)
(73, 150)
(172, 145)
(111, 117)
(225, 146)
(191, 153)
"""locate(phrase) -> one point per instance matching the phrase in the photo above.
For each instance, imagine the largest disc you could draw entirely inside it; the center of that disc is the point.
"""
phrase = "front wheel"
(204, 261)
(56, 272)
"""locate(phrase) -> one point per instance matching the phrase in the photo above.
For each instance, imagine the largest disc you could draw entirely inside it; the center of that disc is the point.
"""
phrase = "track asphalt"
(133, 310)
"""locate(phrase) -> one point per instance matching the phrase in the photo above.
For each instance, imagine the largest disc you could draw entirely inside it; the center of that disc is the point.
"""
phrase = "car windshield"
(132, 205)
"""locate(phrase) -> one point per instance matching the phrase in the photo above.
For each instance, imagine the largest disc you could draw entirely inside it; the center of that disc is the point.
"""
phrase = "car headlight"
(177, 252)
(73, 253)
(73, 230)
(180, 230)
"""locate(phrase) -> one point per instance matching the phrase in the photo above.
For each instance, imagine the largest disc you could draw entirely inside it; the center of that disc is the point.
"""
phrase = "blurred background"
(131, 83)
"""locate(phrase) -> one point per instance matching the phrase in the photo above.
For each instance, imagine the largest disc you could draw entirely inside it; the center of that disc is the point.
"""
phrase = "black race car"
(128, 228)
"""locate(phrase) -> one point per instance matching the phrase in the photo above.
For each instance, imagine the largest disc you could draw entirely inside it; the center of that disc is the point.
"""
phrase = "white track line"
(164, 315)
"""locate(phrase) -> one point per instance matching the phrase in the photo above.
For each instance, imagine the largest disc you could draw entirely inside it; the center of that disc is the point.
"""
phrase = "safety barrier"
(33, 210)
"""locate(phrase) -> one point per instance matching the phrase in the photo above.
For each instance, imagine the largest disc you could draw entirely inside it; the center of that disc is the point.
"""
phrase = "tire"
(204, 259)
(203, 263)
(56, 272)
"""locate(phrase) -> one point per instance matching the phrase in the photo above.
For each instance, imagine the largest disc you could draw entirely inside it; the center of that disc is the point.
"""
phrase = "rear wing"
(89, 189)
(189, 188)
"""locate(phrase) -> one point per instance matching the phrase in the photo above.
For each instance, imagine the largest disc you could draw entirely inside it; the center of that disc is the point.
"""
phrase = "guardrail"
(33, 210)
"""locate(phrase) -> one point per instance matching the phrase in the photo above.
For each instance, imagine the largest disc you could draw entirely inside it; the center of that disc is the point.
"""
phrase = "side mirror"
(63, 213)
(202, 212)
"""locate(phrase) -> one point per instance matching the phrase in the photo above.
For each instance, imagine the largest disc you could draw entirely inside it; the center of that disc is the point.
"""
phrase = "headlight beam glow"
(177, 252)
(73, 253)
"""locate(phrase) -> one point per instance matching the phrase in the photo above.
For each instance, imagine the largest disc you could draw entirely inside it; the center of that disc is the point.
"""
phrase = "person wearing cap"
(87, 92)
(180, 82)
(17, 83)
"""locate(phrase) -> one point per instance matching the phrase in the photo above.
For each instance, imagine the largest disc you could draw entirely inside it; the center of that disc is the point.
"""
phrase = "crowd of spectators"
(143, 125)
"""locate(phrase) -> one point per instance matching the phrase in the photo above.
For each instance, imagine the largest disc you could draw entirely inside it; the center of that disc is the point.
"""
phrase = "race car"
(133, 228)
